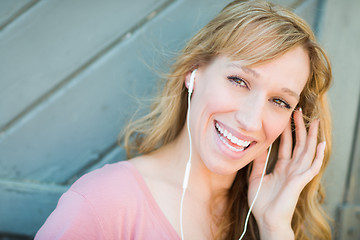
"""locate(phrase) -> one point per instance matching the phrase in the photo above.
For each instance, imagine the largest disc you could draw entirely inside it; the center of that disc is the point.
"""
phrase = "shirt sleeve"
(73, 218)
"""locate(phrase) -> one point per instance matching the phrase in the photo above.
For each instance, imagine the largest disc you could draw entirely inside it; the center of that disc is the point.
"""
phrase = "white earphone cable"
(188, 167)
(256, 195)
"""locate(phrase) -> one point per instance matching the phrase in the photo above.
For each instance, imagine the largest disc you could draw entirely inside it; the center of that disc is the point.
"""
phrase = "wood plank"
(82, 120)
(288, 3)
(10, 9)
(349, 222)
(309, 11)
(90, 102)
(349, 211)
(85, 118)
(354, 195)
(53, 40)
(340, 33)
(25, 206)
(113, 155)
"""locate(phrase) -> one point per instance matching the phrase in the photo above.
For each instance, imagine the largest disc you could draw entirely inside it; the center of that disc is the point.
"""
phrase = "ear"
(187, 80)
(190, 81)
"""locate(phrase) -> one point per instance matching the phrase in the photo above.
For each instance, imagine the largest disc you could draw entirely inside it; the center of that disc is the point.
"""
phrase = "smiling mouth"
(233, 143)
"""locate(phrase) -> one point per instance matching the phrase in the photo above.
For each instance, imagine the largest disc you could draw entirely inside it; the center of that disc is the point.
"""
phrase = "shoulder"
(109, 174)
(100, 205)
(110, 182)
(116, 194)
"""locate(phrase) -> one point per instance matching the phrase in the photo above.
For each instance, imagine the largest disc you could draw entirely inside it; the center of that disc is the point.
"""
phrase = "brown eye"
(281, 103)
(238, 81)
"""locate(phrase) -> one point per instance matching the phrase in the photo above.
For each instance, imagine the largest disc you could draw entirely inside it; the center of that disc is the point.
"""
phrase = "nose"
(250, 113)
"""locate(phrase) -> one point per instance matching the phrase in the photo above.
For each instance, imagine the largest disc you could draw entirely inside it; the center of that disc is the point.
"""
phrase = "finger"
(317, 163)
(285, 148)
(311, 143)
(258, 166)
(300, 131)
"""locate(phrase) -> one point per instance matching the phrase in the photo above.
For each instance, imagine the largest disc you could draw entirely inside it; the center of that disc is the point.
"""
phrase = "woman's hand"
(280, 190)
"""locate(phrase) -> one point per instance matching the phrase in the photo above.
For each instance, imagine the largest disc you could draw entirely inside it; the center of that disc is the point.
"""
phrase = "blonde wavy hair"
(255, 32)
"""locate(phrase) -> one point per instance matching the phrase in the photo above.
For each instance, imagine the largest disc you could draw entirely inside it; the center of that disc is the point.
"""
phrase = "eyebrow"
(255, 74)
(290, 92)
(245, 69)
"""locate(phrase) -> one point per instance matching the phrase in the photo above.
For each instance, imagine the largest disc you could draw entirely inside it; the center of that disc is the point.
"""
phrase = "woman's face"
(238, 111)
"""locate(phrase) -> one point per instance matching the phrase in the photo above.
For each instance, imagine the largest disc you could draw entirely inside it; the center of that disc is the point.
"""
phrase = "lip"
(225, 149)
(234, 132)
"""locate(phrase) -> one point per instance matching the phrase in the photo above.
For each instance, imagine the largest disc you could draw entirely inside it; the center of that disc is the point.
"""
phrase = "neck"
(202, 182)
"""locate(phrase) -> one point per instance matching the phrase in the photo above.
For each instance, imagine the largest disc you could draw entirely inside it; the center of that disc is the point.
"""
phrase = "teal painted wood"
(79, 121)
(53, 40)
(23, 206)
(86, 115)
(309, 11)
(83, 117)
(10, 9)
(112, 155)
(74, 128)
(287, 3)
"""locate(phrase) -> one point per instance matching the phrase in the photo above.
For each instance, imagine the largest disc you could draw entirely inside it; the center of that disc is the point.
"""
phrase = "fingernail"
(324, 143)
(300, 109)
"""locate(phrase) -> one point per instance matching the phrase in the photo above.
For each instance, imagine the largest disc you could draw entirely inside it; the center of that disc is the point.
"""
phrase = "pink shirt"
(113, 202)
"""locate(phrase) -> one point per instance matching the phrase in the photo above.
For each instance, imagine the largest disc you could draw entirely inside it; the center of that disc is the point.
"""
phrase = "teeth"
(231, 147)
(232, 138)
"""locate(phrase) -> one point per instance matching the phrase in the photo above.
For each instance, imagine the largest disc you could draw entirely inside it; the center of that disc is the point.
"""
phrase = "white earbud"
(192, 80)
(188, 165)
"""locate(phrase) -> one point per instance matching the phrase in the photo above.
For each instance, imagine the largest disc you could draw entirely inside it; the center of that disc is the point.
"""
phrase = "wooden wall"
(72, 73)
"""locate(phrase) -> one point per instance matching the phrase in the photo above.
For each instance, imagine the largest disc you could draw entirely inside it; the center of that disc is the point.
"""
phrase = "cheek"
(275, 125)
(220, 103)
(215, 99)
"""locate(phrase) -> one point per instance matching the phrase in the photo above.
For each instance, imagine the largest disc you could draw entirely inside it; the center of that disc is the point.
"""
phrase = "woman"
(259, 79)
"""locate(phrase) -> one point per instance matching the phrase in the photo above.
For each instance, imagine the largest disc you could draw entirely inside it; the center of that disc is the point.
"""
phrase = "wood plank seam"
(31, 186)
(102, 156)
(51, 95)
(18, 13)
